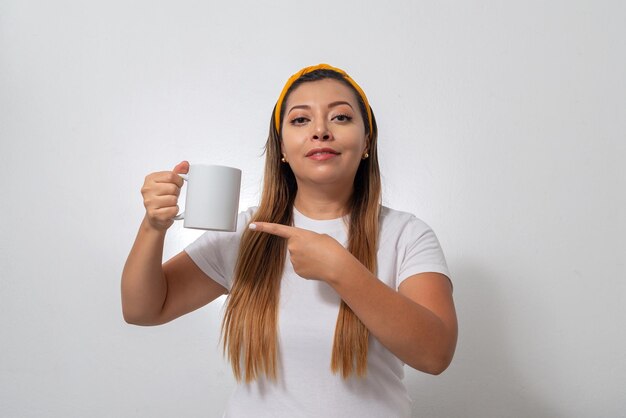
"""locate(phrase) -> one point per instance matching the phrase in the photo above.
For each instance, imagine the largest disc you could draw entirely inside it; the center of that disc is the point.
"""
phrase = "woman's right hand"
(160, 196)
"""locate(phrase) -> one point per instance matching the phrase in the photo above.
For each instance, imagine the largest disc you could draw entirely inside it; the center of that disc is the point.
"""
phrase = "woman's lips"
(321, 154)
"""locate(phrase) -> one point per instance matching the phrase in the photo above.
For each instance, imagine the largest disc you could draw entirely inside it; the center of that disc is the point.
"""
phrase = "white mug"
(212, 201)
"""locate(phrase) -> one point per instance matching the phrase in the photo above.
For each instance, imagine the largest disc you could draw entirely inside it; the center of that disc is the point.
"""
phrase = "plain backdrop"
(502, 125)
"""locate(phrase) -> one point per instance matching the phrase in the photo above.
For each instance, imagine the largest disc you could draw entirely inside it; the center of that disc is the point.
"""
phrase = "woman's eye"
(298, 121)
(343, 118)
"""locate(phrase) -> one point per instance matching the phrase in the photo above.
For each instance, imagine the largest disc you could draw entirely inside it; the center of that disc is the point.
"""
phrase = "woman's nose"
(321, 132)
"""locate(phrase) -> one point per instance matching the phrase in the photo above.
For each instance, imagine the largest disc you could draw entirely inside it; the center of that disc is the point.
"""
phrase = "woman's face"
(323, 133)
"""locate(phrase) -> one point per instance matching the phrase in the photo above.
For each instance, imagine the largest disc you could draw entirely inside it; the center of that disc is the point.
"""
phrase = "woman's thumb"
(182, 168)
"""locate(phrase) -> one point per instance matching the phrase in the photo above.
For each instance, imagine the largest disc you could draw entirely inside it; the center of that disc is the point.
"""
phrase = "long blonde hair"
(249, 328)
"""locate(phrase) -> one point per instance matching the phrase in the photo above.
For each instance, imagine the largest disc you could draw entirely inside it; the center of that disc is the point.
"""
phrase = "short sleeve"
(215, 253)
(419, 251)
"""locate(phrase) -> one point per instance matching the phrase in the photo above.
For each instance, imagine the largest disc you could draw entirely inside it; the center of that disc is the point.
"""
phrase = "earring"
(365, 156)
(283, 159)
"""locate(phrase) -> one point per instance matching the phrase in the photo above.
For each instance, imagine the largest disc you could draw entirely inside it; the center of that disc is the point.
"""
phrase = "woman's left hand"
(314, 256)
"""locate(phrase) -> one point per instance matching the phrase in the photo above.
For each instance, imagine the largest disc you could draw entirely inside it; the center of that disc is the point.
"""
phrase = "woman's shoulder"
(398, 218)
(403, 227)
(248, 213)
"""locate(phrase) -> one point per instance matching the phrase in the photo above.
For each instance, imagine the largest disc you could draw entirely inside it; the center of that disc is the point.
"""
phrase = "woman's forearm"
(410, 331)
(144, 286)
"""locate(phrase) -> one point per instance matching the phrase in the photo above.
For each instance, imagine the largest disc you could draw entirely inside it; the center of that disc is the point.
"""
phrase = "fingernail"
(252, 226)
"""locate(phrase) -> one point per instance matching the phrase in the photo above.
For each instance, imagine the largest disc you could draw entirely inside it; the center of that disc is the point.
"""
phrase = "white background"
(502, 125)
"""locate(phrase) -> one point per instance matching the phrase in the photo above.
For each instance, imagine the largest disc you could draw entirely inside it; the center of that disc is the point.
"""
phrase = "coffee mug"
(212, 201)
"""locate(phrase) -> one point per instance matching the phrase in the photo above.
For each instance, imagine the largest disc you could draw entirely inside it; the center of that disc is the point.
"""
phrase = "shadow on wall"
(484, 379)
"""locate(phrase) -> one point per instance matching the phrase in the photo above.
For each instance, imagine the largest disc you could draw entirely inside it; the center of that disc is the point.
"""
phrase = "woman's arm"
(153, 293)
(417, 323)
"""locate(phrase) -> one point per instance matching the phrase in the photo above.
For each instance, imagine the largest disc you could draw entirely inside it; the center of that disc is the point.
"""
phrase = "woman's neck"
(318, 204)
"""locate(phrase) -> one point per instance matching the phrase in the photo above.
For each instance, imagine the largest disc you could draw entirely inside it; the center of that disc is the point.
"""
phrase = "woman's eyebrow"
(330, 105)
(299, 107)
(340, 102)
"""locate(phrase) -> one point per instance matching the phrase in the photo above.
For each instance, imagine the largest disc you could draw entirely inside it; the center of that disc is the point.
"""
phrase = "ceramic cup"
(212, 201)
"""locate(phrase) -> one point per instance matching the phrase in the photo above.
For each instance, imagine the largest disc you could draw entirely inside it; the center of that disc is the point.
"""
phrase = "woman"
(329, 293)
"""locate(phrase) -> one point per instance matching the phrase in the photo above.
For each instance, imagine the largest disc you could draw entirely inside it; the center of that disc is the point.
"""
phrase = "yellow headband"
(306, 70)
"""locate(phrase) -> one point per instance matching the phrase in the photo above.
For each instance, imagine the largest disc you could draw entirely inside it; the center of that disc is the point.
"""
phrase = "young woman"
(329, 293)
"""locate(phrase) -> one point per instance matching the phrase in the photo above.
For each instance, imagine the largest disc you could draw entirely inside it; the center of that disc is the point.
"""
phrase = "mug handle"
(182, 214)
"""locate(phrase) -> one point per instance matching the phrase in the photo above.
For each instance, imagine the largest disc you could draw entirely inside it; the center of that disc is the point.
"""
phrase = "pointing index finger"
(274, 229)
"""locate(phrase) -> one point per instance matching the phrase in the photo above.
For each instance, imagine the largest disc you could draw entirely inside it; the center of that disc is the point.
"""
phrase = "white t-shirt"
(308, 312)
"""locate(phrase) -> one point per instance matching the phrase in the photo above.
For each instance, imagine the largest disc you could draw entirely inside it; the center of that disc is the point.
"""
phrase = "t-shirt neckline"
(320, 225)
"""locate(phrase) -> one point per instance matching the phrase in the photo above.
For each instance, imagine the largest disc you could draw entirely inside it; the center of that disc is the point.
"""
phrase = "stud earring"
(283, 159)
(365, 155)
